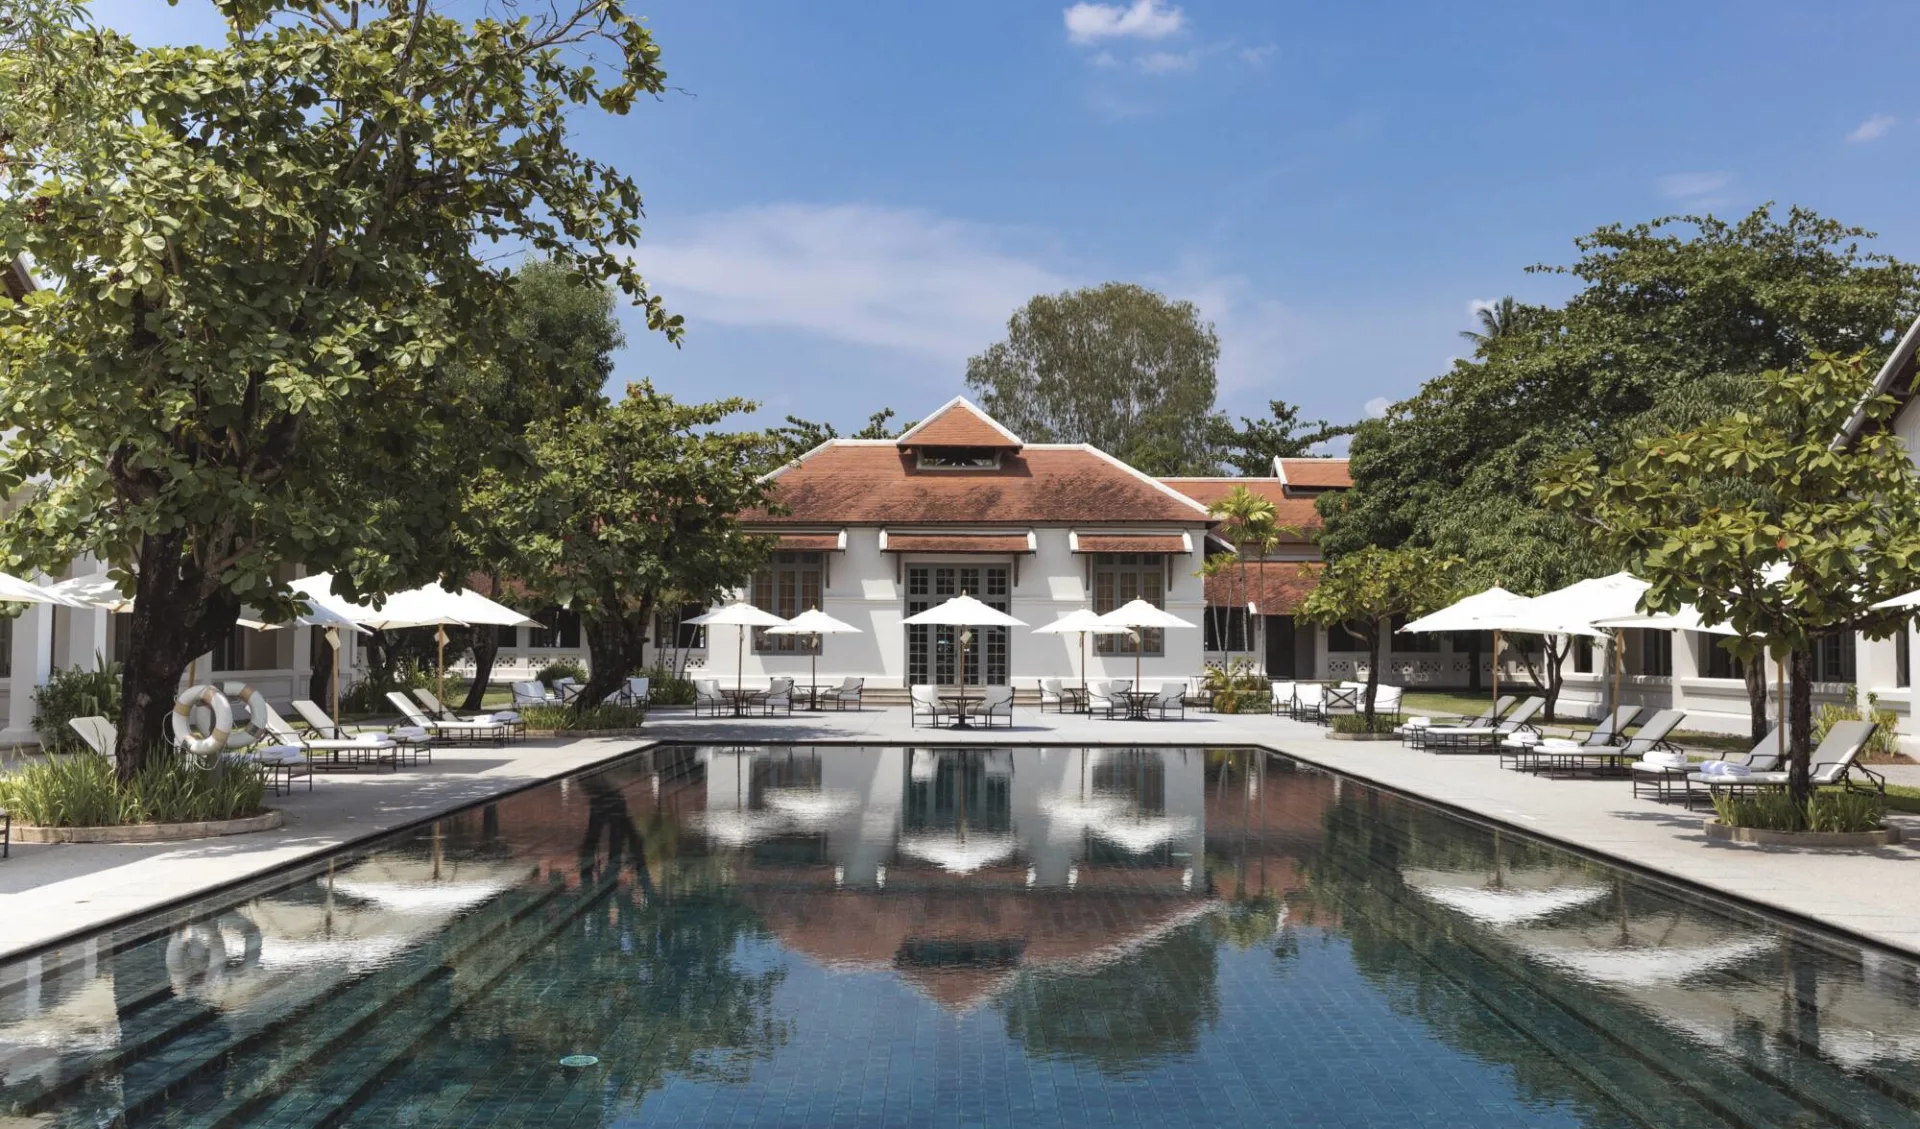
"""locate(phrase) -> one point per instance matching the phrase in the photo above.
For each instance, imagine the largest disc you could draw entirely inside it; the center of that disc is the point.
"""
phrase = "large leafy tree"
(1118, 366)
(1664, 309)
(557, 352)
(798, 436)
(635, 500)
(271, 289)
(1365, 589)
(1251, 448)
(1764, 521)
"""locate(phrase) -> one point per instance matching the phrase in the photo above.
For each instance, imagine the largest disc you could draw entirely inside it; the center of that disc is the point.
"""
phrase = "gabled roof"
(876, 482)
(1314, 474)
(1895, 379)
(959, 423)
(1275, 587)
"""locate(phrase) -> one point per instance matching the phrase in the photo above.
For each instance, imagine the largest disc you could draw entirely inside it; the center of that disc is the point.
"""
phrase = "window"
(1226, 629)
(1418, 643)
(1341, 639)
(787, 587)
(1833, 657)
(1121, 578)
(671, 629)
(562, 630)
(6, 648)
(1583, 656)
(1721, 663)
(1656, 653)
(1902, 658)
(959, 458)
(933, 652)
(231, 652)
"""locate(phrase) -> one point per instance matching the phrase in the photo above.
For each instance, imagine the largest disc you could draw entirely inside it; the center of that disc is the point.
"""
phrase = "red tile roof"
(1316, 474)
(850, 481)
(1290, 511)
(1276, 586)
(809, 542)
(957, 543)
(958, 423)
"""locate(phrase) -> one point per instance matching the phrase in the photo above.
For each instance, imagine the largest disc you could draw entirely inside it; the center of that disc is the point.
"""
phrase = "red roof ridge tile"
(955, 418)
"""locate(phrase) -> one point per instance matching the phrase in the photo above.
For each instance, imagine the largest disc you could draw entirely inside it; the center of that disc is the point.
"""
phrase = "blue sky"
(847, 200)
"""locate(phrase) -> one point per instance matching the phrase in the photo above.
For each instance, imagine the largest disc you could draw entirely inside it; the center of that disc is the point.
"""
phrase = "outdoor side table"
(960, 702)
(740, 699)
(1138, 704)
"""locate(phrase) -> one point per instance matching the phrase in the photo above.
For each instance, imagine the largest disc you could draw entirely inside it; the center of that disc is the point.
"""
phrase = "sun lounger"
(280, 763)
(1834, 763)
(323, 751)
(1527, 752)
(1657, 773)
(1651, 738)
(488, 730)
(439, 712)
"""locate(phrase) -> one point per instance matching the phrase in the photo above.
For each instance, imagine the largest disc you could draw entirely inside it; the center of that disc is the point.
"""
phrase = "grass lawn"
(1449, 703)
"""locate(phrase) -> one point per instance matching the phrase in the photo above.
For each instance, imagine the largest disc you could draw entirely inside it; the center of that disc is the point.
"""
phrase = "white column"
(32, 664)
(1686, 664)
(88, 628)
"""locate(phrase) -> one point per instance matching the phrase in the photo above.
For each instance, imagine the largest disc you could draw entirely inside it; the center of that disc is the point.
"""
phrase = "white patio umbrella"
(817, 623)
(741, 615)
(1082, 622)
(960, 853)
(93, 591)
(14, 590)
(1137, 616)
(963, 611)
(1500, 611)
(1139, 834)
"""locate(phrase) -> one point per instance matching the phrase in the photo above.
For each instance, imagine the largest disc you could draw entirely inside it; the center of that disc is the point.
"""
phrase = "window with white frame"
(789, 584)
(1121, 578)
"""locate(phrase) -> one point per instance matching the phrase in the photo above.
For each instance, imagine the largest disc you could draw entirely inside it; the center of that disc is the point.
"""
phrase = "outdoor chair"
(1197, 694)
(1053, 693)
(1306, 700)
(849, 692)
(1659, 772)
(706, 692)
(439, 712)
(925, 702)
(1833, 763)
(635, 692)
(1170, 696)
(494, 731)
(531, 693)
(328, 736)
(779, 696)
(1106, 696)
(98, 733)
(1649, 739)
(1282, 698)
(1386, 701)
(566, 689)
(995, 701)
(1337, 701)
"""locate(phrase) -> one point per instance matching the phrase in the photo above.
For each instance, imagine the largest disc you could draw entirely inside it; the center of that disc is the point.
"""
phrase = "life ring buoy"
(255, 730)
(182, 722)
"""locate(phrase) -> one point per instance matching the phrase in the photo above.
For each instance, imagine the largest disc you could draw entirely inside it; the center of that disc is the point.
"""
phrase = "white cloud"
(1873, 128)
(1476, 305)
(1696, 189)
(1105, 59)
(1376, 408)
(897, 278)
(1257, 56)
(1168, 62)
(1143, 19)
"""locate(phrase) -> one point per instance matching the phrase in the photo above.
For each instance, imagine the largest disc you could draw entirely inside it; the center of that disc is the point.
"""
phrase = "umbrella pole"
(1496, 668)
(1780, 707)
(740, 659)
(1138, 637)
(440, 668)
(1618, 655)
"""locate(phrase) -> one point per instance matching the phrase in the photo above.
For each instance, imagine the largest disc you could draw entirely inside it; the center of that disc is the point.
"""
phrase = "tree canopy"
(270, 297)
(1363, 591)
(1664, 310)
(1118, 366)
(1762, 521)
(1251, 448)
(798, 436)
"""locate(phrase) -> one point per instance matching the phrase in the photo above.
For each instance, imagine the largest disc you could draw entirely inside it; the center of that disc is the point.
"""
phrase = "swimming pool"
(794, 935)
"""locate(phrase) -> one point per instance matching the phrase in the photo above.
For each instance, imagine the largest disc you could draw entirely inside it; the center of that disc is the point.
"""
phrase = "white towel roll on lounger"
(1725, 768)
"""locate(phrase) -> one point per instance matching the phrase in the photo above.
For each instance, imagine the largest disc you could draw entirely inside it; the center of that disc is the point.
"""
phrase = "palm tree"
(1247, 521)
(1497, 319)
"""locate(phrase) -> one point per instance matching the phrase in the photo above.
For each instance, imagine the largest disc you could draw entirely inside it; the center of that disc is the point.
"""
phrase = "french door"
(933, 653)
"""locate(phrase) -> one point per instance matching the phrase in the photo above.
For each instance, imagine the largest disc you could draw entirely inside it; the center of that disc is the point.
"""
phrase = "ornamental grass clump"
(83, 791)
(607, 715)
(1235, 687)
(1773, 809)
(1361, 723)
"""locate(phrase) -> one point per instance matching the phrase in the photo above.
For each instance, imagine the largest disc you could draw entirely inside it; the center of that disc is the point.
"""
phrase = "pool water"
(799, 936)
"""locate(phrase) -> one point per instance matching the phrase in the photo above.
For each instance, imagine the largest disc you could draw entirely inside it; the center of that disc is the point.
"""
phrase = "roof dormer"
(959, 436)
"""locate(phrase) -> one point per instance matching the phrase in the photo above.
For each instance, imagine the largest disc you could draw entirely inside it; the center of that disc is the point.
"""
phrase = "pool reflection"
(1048, 936)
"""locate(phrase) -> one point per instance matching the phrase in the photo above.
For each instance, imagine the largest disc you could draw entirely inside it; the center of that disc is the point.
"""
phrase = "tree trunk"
(616, 646)
(1373, 671)
(1754, 672)
(320, 683)
(486, 647)
(1800, 718)
(174, 620)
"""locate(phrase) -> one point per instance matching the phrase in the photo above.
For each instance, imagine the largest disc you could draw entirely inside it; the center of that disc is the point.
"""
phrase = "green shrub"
(1357, 723)
(664, 688)
(561, 668)
(606, 715)
(75, 693)
(1772, 809)
(83, 791)
(1885, 743)
(1235, 687)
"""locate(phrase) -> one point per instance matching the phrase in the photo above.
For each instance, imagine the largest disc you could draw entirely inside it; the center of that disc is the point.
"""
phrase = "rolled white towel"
(507, 717)
(1725, 768)
(1417, 723)
(375, 739)
(1665, 759)
(408, 732)
(1522, 740)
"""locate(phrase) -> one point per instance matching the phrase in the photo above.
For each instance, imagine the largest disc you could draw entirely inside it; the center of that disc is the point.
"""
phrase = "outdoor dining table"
(741, 699)
(1139, 704)
(960, 701)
